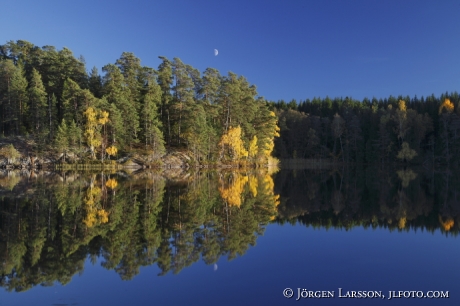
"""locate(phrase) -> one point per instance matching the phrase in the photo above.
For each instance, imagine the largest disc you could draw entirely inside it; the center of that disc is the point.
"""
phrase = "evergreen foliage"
(47, 93)
(378, 131)
(176, 108)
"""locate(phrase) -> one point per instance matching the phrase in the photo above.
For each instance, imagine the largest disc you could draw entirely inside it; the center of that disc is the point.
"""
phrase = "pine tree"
(126, 118)
(130, 67)
(183, 98)
(62, 138)
(74, 136)
(95, 83)
(38, 106)
(13, 97)
(152, 134)
(200, 137)
(165, 80)
(20, 97)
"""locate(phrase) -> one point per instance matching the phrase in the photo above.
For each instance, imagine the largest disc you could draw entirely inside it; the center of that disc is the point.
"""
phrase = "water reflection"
(50, 223)
(397, 199)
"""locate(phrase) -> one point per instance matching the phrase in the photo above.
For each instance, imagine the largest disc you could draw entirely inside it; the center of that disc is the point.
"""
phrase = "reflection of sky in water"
(285, 256)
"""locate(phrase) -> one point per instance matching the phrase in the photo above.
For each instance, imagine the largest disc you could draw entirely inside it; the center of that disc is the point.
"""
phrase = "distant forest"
(378, 131)
(47, 95)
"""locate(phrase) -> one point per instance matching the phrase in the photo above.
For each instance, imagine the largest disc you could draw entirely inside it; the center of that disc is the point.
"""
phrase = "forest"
(47, 96)
(378, 131)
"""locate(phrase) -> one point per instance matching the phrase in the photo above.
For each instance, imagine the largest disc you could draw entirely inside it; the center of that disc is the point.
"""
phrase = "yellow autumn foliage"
(90, 114)
(232, 192)
(232, 140)
(104, 117)
(94, 215)
(446, 225)
(402, 105)
(402, 222)
(269, 189)
(253, 185)
(111, 183)
(253, 148)
(270, 144)
(277, 128)
(111, 150)
(90, 219)
(103, 216)
(95, 119)
(447, 105)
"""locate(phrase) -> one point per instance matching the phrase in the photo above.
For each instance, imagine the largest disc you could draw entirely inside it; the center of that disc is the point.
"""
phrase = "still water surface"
(228, 238)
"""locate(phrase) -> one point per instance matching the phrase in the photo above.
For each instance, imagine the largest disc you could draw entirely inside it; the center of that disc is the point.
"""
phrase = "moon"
(216, 52)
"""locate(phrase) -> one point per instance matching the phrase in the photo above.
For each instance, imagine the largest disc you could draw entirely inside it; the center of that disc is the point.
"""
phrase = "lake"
(361, 236)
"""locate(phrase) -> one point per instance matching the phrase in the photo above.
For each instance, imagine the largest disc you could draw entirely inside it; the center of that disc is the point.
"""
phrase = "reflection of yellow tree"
(252, 181)
(269, 190)
(447, 224)
(111, 183)
(94, 212)
(406, 176)
(261, 188)
(232, 190)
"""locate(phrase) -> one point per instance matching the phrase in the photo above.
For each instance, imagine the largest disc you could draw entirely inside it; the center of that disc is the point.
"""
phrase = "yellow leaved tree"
(267, 143)
(95, 120)
(111, 151)
(253, 147)
(232, 143)
(447, 105)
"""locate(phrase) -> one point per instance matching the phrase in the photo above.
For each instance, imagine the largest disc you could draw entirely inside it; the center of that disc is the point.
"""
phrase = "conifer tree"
(38, 106)
(95, 83)
(183, 98)
(126, 119)
(13, 97)
(20, 97)
(152, 134)
(62, 138)
(165, 80)
(130, 67)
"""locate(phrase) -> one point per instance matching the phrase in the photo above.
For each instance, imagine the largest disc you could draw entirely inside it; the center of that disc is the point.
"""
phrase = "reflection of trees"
(398, 199)
(47, 235)
(30, 244)
(217, 214)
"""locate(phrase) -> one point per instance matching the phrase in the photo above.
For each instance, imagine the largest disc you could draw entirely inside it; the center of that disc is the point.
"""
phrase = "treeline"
(48, 95)
(378, 131)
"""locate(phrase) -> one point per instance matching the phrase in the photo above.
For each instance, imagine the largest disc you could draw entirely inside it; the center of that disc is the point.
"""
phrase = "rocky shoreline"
(18, 153)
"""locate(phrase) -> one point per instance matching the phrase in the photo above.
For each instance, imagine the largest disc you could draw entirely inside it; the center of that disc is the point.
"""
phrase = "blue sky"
(288, 49)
